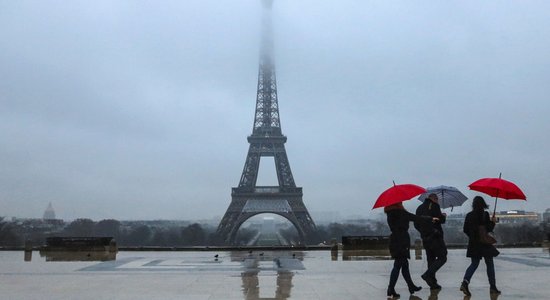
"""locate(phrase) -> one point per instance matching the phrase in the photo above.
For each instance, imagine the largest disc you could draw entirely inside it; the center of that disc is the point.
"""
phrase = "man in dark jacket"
(432, 238)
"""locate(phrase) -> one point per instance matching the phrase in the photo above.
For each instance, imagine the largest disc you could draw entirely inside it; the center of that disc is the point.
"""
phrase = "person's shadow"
(491, 296)
(433, 295)
(494, 296)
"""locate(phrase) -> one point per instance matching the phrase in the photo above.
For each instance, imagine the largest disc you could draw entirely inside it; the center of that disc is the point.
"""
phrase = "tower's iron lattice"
(266, 140)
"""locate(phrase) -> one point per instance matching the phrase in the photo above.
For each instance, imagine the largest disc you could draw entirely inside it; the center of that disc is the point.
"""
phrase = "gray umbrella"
(448, 196)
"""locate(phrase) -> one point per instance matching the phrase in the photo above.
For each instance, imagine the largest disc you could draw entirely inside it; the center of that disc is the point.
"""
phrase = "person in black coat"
(432, 238)
(477, 249)
(400, 244)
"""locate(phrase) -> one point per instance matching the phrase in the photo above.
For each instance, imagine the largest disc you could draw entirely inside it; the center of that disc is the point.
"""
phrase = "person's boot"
(413, 288)
(435, 285)
(429, 280)
(493, 290)
(391, 293)
(464, 288)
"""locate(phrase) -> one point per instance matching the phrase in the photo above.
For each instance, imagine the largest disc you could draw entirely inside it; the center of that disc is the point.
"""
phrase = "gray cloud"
(141, 109)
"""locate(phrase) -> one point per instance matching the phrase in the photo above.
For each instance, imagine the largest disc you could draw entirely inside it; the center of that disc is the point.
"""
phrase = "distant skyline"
(140, 110)
(323, 217)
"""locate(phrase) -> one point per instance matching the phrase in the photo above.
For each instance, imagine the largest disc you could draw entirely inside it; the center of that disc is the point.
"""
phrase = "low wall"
(365, 247)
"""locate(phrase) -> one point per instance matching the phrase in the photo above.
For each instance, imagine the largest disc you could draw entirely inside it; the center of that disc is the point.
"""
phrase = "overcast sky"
(141, 109)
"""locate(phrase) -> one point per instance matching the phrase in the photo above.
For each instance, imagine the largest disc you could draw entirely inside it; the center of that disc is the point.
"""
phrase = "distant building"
(33, 229)
(517, 216)
(546, 216)
(49, 213)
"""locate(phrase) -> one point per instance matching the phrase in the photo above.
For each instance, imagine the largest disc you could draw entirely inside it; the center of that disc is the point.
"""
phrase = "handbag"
(485, 237)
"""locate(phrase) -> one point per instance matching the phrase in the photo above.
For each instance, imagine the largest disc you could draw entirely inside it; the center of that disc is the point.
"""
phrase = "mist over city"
(140, 110)
(274, 149)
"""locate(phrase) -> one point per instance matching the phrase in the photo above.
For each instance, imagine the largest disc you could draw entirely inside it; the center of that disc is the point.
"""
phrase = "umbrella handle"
(495, 209)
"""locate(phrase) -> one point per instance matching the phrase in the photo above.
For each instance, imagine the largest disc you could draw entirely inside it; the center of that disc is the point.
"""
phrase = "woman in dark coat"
(400, 244)
(477, 250)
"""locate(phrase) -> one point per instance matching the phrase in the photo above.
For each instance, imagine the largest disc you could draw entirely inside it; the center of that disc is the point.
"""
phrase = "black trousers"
(400, 264)
(436, 255)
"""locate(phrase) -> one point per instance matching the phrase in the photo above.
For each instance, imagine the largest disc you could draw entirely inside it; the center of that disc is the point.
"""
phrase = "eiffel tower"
(248, 200)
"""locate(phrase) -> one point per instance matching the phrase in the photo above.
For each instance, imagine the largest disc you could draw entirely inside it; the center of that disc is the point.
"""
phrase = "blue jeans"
(490, 269)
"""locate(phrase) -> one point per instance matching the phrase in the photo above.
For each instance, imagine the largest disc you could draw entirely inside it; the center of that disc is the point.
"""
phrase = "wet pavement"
(521, 274)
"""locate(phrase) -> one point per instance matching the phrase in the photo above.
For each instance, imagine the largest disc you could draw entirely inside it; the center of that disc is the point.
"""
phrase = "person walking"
(432, 239)
(400, 242)
(476, 224)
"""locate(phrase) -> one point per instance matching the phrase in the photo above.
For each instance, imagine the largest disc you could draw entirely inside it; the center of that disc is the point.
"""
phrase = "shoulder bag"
(485, 237)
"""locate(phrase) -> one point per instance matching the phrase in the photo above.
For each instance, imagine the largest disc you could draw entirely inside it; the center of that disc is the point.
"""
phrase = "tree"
(519, 233)
(108, 227)
(245, 235)
(193, 235)
(290, 234)
(167, 237)
(80, 227)
(139, 236)
(7, 234)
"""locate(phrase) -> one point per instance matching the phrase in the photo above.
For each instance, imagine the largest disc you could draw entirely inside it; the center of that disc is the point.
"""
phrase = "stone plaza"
(206, 275)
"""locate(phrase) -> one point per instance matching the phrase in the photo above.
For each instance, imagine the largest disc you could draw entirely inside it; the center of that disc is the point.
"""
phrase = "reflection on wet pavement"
(365, 255)
(75, 249)
(249, 275)
(284, 263)
(78, 255)
(251, 285)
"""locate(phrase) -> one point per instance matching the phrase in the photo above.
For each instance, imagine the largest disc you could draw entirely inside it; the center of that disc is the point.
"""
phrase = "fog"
(141, 109)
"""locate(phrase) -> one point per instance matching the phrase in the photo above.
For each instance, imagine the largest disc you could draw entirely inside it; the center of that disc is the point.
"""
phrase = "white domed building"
(49, 213)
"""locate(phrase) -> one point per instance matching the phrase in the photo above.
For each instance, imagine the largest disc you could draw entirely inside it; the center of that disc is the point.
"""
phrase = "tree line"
(135, 233)
(166, 234)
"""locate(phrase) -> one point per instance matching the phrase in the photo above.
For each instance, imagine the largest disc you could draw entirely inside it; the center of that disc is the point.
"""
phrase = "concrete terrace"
(521, 274)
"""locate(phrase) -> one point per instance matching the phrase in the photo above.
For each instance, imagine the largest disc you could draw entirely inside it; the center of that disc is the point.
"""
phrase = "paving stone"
(521, 274)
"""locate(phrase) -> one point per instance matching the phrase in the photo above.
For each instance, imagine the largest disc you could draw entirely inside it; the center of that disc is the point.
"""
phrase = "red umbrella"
(498, 188)
(398, 193)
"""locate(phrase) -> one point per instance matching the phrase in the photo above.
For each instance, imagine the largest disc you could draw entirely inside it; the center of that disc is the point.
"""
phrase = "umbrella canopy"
(448, 196)
(398, 193)
(498, 187)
